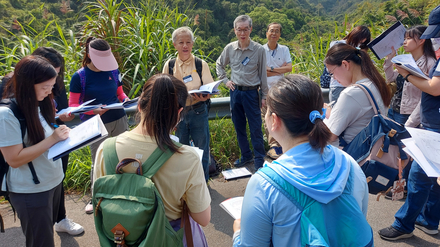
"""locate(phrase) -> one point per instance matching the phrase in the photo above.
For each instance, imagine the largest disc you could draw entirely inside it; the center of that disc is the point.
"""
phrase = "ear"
(421, 42)
(276, 122)
(345, 64)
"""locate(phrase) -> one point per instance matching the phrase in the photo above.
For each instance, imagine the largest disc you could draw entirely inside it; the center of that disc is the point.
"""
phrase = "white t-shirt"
(49, 172)
(276, 58)
(353, 111)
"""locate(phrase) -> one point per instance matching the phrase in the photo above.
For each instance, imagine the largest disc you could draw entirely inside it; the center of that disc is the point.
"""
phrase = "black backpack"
(198, 62)
(4, 167)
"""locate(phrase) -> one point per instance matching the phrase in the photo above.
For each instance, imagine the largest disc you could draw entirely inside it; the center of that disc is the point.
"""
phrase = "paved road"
(218, 232)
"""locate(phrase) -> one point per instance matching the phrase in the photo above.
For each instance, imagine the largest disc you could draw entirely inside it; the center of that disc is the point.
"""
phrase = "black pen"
(54, 125)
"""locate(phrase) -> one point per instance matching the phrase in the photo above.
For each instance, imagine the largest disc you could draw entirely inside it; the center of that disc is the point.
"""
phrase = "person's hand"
(66, 117)
(126, 99)
(61, 133)
(263, 103)
(237, 225)
(284, 64)
(100, 111)
(328, 111)
(201, 97)
(392, 54)
(230, 85)
(402, 71)
(438, 180)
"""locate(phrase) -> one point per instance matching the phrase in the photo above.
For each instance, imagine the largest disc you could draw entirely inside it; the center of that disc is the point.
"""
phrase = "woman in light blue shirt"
(314, 194)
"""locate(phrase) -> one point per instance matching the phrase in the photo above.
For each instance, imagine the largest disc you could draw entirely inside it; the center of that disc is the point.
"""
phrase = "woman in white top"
(36, 203)
(353, 110)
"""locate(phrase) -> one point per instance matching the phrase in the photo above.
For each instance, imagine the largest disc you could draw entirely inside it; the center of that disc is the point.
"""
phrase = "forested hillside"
(140, 31)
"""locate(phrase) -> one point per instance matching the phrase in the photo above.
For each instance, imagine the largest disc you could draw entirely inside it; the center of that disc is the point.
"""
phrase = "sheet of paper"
(428, 142)
(407, 62)
(199, 152)
(233, 206)
(431, 169)
(80, 136)
(236, 173)
(84, 107)
(392, 37)
(123, 105)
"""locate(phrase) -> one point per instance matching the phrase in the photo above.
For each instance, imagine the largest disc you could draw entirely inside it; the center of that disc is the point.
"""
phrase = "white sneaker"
(67, 225)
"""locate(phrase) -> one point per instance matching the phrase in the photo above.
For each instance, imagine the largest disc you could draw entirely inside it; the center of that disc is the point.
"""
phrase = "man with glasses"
(278, 62)
(247, 60)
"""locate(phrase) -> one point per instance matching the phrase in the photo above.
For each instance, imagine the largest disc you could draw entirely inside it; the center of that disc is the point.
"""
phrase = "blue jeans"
(396, 116)
(422, 203)
(334, 93)
(195, 126)
(246, 104)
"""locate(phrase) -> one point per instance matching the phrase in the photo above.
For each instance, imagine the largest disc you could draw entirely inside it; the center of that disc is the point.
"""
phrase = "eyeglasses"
(331, 72)
(242, 30)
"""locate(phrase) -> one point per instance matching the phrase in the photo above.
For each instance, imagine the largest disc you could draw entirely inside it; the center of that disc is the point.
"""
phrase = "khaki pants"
(270, 140)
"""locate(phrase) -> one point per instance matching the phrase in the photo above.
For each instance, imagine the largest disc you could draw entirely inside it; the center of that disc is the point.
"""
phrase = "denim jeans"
(195, 126)
(245, 104)
(422, 203)
(396, 116)
(334, 93)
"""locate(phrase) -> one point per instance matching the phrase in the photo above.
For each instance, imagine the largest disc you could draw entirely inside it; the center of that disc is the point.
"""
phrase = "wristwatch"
(271, 68)
(406, 77)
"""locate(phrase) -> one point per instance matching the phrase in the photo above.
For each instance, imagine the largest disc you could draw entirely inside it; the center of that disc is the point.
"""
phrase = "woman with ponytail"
(353, 111)
(181, 177)
(310, 172)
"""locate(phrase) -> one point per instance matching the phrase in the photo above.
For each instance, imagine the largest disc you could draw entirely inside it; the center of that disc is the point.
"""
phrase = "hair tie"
(315, 115)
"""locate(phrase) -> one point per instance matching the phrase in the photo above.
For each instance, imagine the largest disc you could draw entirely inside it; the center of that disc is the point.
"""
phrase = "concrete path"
(218, 232)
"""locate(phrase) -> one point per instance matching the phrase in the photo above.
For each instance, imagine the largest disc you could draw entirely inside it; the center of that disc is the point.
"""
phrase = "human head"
(343, 55)
(292, 99)
(360, 36)
(243, 27)
(160, 106)
(433, 30)
(99, 52)
(415, 33)
(273, 31)
(183, 40)
(57, 61)
(33, 78)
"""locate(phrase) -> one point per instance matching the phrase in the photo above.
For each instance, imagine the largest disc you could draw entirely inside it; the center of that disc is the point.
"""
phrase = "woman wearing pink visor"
(99, 79)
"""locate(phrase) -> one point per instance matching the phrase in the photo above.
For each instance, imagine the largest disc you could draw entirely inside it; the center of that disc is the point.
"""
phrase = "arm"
(121, 95)
(431, 86)
(390, 73)
(286, 68)
(74, 101)
(414, 118)
(17, 156)
(221, 63)
(165, 67)
(262, 73)
(203, 218)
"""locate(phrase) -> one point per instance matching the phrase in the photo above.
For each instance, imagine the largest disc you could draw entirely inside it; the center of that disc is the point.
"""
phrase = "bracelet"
(406, 77)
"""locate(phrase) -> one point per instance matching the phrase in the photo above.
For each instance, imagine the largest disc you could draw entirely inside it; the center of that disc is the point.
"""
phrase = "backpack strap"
(110, 155)
(199, 67)
(171, 64)
(370, 97)
(313, 230)
(19, 115)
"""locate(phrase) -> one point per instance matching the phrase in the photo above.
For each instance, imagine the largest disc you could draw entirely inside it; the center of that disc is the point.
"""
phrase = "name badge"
(187, 79)
(245, 61)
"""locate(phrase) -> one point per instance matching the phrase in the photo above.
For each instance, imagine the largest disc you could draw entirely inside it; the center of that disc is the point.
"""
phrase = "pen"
(55, 125)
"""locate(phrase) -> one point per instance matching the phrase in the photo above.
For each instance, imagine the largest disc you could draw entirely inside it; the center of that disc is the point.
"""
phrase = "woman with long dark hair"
(353, 110)
(36, 204)
(181, 177)
(313, 194)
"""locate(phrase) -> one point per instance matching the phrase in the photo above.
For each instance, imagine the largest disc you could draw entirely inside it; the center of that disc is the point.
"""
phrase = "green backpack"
(128, 208)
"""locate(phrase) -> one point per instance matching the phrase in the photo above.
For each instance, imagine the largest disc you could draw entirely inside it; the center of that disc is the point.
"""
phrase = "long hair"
(162, 97)
(98, 44)
(292, 99)
(415, 33)
(340, 52)
(29, 71)
(360, 36)
(57, 60)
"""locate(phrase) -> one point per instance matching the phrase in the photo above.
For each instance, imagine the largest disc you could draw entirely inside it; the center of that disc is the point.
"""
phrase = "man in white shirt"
(278, 62)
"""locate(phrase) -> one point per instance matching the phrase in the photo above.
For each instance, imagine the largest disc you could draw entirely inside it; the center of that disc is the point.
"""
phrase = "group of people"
(312, 194)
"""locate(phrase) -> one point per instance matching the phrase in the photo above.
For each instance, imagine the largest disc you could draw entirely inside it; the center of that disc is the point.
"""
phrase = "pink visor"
(103, 60)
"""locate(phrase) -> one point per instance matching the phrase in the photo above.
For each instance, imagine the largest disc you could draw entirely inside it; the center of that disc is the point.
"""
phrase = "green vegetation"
(140, 35)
